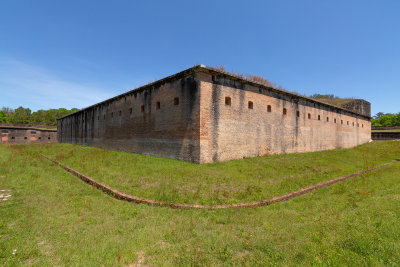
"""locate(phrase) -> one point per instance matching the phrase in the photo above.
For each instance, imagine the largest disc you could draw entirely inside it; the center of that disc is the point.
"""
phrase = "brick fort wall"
(162, 120)
(203, 115)
(239, 120)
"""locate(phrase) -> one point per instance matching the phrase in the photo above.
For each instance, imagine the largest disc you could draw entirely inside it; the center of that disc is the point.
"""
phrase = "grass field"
(387, 131)
(53, 218)
(227, 182)
(335, 101)
(29, 127)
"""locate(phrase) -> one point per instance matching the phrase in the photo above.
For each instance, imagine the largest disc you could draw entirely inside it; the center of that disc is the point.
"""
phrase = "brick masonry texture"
(359, 105)
(20, 135)
(161, 121)
(204, 115)
(385, 136)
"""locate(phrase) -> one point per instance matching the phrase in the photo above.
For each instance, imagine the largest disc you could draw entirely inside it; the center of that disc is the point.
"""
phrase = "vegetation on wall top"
(331, 99)
(325, 98)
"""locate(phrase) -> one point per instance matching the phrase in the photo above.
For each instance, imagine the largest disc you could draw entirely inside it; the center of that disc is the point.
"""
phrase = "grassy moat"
(53, 218)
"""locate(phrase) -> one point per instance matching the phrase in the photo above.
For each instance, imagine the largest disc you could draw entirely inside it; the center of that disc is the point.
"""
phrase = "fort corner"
(205, 115)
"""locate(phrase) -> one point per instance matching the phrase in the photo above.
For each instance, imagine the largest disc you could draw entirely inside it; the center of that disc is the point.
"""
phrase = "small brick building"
(19, 134)
(205, 115)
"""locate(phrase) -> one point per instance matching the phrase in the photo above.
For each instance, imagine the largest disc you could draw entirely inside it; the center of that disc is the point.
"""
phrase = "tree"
(3, 116)
(378, 115)
(21, 115)
(9, 111)
(37, 117)
(41, 117)
(381, 119)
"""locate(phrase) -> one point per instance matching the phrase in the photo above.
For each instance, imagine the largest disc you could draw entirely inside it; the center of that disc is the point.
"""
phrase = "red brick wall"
(236, 131)
(20, 135)
(172, 130)
(202, 128)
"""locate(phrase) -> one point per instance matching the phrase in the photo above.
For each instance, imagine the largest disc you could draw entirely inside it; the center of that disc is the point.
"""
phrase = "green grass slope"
(53, 218)
(235, 181)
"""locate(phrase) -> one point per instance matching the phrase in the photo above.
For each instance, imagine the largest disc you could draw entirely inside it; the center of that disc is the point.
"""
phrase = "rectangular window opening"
(130, 111)
(319, 117)
(158, 105)
(309, 115)
(228, 101)
(120, 113)
(250, 105)
(142, 108)
(298, 113)
(176, 101)
(269, 109)
(334, 120)
(284, 111)
(327, 119)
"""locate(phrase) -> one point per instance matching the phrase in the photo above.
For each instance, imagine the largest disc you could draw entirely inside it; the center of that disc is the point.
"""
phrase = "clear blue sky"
(76, 53)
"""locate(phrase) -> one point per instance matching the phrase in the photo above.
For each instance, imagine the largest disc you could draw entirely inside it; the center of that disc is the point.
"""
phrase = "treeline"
(23, 115)
(388, 119)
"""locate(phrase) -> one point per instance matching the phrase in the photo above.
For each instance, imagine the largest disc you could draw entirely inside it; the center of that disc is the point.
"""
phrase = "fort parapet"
(205, 115)
(358, 105)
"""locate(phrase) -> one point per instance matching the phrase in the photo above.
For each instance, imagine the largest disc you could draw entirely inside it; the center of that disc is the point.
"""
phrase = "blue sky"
(76, 53)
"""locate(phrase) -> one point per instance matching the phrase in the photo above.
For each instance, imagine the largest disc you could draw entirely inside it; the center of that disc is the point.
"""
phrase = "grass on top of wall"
(53, 218)
(387, 131)
(235, 181)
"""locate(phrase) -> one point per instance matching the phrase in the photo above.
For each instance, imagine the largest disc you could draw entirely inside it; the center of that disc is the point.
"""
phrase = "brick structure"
(358, 105)
(385, 135)
(18, 134)
(205, 115)
(385, 132)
